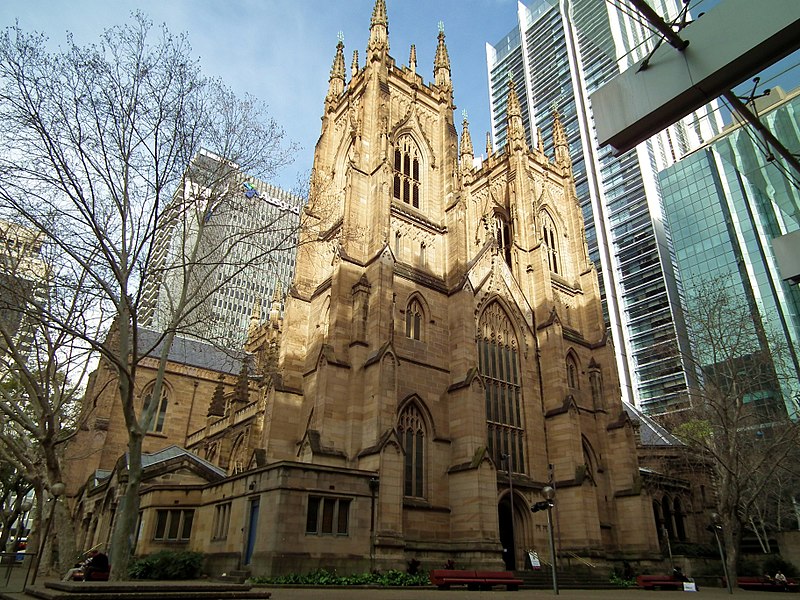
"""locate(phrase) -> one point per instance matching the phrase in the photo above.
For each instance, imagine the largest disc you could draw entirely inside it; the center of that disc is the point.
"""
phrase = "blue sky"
(281, 51)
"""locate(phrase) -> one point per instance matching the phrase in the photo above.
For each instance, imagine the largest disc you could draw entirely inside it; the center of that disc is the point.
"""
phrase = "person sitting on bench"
(96, 562)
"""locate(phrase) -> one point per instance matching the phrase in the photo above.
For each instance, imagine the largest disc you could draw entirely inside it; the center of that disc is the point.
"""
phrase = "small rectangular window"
(174, 524)
(328, 516)
(313, 513)
(222, 518)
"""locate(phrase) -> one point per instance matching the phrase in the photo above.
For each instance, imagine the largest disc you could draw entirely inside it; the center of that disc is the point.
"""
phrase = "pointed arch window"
(156, 424)
(499, 365)
(414, 317)
(411, 429)
(573, 381)
(550, 238)
(407, 171)
(502, 233)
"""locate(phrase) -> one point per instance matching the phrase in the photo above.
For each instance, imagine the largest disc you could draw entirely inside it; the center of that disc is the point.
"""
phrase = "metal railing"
(15, 570)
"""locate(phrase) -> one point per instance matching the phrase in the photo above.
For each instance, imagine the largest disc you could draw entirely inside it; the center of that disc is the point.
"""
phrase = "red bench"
(765, 584)
(662, 582)
(474, 580)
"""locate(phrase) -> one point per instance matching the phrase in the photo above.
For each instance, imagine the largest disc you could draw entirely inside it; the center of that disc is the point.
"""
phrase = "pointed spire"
(354, 65)
(539, 140)
(488, 144)
(412, 59)
(516, 130)
(560, 145)
(242, 390)
(255, 317)
(467, 153)
(441, 63)
(378, 45)
(336, 80)
(216, 407)
(275, 309)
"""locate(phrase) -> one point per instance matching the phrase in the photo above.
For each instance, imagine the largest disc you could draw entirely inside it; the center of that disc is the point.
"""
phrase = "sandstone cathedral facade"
(442, 358)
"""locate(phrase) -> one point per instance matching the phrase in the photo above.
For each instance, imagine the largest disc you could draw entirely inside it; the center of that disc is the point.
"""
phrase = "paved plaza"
(339, 593)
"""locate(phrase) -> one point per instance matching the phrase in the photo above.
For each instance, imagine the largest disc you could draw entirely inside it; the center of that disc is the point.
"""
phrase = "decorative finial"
(340, 36)
(441, 63)
(464, 114)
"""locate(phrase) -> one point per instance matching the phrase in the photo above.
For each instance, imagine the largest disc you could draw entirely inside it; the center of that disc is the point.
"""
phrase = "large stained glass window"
(499, 365)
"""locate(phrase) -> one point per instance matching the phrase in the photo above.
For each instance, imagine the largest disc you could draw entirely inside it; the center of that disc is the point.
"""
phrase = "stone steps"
(568, 579)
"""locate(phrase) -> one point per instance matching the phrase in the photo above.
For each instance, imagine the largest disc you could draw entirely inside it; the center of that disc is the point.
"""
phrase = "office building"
(23, 285)
(241, 236)
(726, 203)
(559, 52)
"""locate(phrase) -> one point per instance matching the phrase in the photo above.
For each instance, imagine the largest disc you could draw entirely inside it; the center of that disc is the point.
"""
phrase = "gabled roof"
(650, 432)
(191, 352)
(172, 452)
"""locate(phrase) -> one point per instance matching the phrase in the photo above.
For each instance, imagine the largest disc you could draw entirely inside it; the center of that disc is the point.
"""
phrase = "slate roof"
(194, 353)
(650, 432)
(170, 452)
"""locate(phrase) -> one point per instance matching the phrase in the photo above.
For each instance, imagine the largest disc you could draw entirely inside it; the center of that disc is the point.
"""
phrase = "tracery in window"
(411, 430)
(156, 424)
(414, 316)
(407, 171)
(550, 239)
(498, 356)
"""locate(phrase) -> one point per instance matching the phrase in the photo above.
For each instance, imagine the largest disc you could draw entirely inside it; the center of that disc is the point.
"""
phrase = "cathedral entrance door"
(505, 519)
(251, 531)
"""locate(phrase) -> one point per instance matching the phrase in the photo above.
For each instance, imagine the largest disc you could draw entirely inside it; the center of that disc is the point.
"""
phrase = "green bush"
(619, 580)
(776, 563)
(167, 565)
(323, 577)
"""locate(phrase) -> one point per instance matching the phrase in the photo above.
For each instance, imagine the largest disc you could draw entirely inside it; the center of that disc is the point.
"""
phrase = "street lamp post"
(25, 509)
(716, 527)
(547, 504)
(507, 459)
(57, 489)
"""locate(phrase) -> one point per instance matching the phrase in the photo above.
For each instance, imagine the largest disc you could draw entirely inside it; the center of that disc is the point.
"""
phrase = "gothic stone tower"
(444, 339)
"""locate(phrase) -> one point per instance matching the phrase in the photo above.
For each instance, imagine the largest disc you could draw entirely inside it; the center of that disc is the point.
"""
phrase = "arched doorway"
(505, 519)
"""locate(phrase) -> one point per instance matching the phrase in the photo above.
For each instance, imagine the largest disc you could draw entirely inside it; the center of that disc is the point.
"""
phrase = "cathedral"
(441, 359)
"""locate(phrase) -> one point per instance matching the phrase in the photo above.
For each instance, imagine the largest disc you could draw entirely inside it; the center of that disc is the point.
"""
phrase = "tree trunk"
(127, 512)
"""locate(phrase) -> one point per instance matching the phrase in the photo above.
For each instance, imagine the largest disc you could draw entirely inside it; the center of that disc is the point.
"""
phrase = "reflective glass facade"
(557, 55)
(725, 204)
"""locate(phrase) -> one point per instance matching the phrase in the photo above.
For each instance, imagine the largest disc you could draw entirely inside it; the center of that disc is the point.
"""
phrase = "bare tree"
(96, 142)
(741, 417)
(39, 365)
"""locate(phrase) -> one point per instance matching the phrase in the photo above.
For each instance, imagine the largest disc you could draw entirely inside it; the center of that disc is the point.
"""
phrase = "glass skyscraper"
(560, 52)
(725, 203)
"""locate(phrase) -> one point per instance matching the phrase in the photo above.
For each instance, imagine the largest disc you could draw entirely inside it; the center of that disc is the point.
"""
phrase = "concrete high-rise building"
(726, 203)
(243, 257)
(23, 284)
(559, 52)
